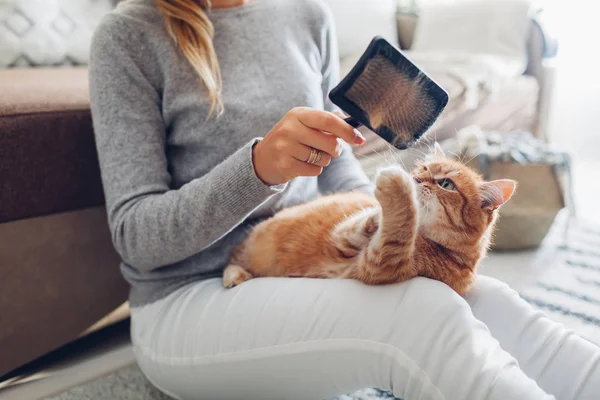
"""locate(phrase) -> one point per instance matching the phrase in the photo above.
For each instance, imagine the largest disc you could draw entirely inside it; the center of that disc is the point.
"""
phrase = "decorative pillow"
(358, 21)
(494, 27)
(48, 32)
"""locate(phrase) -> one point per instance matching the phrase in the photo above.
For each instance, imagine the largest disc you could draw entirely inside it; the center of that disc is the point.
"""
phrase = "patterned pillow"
(48, 32)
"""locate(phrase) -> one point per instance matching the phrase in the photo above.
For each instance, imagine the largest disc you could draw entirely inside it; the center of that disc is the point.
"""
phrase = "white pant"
(274, 338)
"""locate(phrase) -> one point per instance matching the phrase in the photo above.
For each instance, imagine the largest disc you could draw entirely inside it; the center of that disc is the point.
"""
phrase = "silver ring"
(312, 157)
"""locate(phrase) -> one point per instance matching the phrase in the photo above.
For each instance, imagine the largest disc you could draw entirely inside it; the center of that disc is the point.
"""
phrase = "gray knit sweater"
(180, 189)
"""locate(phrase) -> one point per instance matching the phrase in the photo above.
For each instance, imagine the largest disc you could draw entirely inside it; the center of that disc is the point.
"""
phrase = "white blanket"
(477, 72)
(480, 42)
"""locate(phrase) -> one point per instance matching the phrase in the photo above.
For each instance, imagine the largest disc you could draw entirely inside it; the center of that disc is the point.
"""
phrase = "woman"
(179, 115)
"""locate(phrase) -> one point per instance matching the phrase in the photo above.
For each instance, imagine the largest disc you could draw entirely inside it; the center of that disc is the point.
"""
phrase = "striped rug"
(569, 290)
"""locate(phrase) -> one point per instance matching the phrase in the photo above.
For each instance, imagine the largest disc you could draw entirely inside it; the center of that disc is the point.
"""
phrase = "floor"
(94, 356)
(573, 128)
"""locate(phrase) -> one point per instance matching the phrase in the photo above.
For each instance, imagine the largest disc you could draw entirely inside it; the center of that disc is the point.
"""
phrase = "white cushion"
(358, 21)
(48, 32)
(495, 27)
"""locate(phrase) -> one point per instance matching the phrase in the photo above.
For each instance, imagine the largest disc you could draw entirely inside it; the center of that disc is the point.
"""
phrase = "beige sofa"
(58, 270)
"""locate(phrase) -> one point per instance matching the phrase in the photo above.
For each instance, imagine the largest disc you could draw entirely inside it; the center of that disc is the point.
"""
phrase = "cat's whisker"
(402, 162)
(375, 159)
(391, 157)
(384, 158)
(454, 154)
(417, 150)
(369, 157)
(391, 151)
(420, 151)
(428, 145)
(461, 146)
(472, 158)
(397, 157)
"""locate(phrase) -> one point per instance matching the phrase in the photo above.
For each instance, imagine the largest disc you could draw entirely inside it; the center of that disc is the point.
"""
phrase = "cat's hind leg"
(353, 234)
(234, 275)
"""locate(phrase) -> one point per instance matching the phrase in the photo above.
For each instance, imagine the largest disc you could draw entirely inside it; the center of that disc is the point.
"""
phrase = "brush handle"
(354, 123)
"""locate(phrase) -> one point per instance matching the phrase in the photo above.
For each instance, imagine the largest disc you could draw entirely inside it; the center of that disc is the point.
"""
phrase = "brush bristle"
(393, 100)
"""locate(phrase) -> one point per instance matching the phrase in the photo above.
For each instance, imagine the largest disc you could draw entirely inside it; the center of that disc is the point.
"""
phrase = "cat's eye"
(446, 184)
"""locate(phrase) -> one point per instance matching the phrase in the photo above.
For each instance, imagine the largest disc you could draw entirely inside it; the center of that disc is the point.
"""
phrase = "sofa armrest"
(546, 80)
(541, 50)
(407, 24)
(541, 46)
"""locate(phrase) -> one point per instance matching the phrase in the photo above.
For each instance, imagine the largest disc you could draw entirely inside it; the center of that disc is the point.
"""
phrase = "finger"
(303, 153)
(340, 114)
(317, 140)
(331, 123)
(300, 168)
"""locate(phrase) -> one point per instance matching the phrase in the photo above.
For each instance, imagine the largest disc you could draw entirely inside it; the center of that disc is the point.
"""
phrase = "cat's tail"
(234, 275)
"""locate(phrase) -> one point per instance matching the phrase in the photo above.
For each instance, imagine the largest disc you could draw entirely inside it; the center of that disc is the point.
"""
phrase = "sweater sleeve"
(345, 172)
(153, 225)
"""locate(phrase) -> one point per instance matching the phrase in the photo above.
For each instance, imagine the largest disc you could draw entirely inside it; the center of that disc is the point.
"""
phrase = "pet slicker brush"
(389, 95)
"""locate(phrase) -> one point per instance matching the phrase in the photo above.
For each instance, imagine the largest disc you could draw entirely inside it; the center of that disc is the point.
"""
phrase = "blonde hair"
(188, 24)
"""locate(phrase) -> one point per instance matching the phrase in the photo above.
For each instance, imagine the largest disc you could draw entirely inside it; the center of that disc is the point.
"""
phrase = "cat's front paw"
(393, 183)
(393, 172)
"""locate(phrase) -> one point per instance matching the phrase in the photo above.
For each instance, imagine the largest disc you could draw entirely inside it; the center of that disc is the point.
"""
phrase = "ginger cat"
(436, 222)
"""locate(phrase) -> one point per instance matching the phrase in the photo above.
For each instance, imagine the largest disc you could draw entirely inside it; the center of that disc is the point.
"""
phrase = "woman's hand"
(285, 152)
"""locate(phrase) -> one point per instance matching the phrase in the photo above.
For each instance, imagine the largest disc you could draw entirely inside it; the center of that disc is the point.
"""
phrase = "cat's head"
(456, 206)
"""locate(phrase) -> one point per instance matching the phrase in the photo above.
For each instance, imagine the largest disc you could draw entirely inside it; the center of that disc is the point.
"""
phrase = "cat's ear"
(438, 151)
(496, 193)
